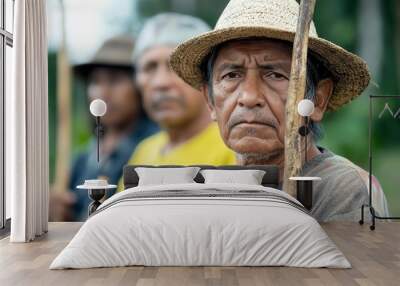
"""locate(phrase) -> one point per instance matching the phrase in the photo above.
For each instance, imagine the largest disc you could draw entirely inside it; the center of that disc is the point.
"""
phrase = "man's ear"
(204, 91)
(323, 93)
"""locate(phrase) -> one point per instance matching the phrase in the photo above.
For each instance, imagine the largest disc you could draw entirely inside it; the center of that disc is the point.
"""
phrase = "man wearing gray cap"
(177, 107)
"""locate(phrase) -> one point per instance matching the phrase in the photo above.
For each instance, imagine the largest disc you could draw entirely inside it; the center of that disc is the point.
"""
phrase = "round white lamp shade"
(305, 107)
(98, 107)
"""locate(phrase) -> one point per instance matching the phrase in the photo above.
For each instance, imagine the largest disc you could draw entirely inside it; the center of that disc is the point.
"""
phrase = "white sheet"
(200, 231)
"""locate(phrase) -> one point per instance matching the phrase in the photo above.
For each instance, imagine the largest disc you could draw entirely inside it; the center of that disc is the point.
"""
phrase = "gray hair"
(315, 73)
(168, 29)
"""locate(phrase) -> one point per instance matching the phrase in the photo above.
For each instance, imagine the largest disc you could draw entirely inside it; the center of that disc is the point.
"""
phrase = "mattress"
(201, 225)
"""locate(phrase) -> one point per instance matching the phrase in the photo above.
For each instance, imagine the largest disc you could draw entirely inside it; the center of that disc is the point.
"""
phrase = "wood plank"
(374, 255)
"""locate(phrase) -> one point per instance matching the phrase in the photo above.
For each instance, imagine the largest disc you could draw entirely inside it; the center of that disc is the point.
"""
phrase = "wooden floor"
(374, 255)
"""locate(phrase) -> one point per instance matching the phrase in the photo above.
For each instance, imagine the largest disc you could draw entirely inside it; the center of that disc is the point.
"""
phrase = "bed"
(201, 224)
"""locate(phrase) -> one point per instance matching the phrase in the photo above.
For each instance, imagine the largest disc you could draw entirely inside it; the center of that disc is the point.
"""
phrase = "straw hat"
(115, 52)
(276, 19)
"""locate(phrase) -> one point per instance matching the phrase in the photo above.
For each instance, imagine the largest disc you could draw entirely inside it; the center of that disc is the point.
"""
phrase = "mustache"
(254, 117)
(160, 98)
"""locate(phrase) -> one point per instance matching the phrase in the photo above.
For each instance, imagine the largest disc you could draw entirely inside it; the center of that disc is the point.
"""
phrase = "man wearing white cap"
(243, 68)
(180, 110)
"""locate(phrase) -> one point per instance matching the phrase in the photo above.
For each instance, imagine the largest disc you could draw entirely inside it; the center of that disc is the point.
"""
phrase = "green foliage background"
(346, 131)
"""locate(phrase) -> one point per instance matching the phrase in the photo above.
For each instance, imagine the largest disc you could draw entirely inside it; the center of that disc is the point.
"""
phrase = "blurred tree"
(397, 41)
(208, 10)
(52, 73)
(373, 39)
(370, 41)
(64, 112)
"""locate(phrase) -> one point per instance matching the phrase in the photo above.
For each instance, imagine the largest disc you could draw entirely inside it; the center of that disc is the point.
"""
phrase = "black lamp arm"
(98, 137)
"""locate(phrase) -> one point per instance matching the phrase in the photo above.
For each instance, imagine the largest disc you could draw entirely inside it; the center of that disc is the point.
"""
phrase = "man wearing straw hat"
(243, 68)
(109, 76)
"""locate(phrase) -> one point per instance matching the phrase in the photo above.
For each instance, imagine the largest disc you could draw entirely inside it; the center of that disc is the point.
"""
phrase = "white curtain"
(27, 124)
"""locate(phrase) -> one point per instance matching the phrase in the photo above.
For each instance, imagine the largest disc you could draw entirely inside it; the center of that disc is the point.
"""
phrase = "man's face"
(116, 88)
(250, 82)
(167, 99)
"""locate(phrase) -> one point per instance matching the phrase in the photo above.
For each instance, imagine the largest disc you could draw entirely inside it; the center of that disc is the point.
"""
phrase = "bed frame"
(270, 179)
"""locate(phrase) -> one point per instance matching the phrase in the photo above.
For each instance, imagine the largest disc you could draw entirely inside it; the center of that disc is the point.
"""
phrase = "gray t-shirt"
(342, 190)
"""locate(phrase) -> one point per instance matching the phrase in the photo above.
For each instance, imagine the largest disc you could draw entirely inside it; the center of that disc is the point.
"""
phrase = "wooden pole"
(296, 92)
(63, 113)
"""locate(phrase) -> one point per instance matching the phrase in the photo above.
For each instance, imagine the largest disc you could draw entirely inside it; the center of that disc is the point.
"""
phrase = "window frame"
(6, 39)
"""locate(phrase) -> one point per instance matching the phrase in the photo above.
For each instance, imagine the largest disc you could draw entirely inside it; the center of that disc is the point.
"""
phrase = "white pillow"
(164, 176)
(248, 177)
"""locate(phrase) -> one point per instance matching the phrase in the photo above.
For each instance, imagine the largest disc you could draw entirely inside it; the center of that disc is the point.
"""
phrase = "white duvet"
(207, 230)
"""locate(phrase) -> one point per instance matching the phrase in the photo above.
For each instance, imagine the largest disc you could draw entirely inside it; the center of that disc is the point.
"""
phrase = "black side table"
(305, 190)
(96, 193)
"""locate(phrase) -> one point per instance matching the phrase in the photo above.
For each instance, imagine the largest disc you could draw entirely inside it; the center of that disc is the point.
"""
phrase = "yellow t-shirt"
(206, 148)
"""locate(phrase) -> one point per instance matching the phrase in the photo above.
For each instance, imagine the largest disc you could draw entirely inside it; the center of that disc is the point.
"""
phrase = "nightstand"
(96, 193)
(305, 190)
